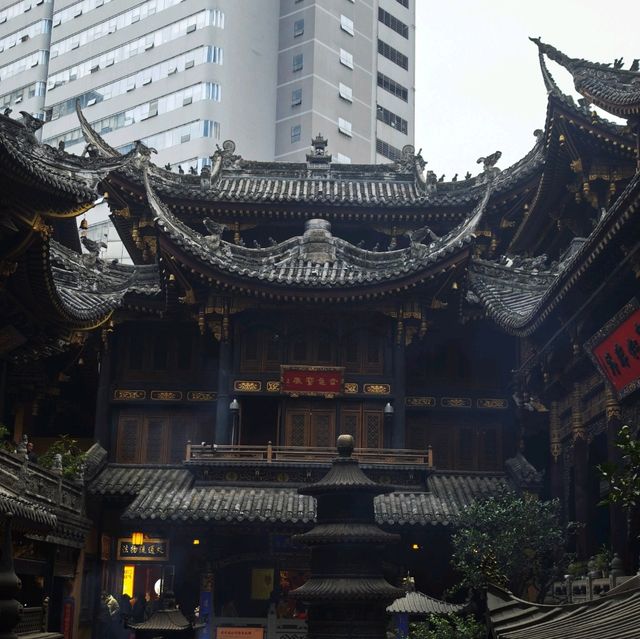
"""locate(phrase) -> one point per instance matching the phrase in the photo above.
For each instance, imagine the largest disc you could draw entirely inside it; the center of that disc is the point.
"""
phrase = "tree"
(514, 541)
(447, 627)
(71, 457)
(624, 477)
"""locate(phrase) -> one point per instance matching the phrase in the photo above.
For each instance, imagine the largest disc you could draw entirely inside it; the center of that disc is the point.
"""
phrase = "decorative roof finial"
(319, 154)
(345, 445)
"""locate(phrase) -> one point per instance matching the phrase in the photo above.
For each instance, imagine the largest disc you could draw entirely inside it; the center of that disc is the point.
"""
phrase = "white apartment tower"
(183, 75)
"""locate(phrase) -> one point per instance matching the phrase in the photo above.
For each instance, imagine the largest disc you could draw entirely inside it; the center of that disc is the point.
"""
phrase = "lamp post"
(234, 409)
(388, 412)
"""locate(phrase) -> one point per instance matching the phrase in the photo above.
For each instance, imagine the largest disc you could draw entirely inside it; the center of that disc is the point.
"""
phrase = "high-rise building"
(346, 69)
(183, 75)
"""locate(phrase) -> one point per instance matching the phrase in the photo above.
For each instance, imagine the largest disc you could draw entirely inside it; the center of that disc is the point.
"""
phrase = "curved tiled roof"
(315, 260)
(614, 89)
(171, 494)
(417, 603)
(88, 288)
(27, 514)
(520, 298)
(68, 176)
(613, 616)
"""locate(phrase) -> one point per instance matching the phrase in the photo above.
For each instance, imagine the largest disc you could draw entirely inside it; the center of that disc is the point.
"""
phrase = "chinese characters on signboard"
(148, 550)
(615, 349)
(312, 380)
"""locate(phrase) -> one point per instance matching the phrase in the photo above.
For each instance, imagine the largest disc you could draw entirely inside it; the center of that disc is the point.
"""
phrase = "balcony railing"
(305, 454)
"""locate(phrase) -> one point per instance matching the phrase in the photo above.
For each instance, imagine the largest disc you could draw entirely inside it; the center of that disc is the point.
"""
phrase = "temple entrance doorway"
(259, 421)
(310, 423)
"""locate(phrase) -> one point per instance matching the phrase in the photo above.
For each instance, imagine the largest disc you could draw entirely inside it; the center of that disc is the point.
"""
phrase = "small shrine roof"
(613, 616)
(172, 494)
(417, 603)
(614, 89)
(171, 620)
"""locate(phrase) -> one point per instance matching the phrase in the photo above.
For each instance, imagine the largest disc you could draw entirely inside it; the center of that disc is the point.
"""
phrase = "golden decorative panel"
(455, 402)
(377, 389)
(201, 396)
(421, 402)
(496, 404)
(273, 386)
(128, 395)
(245, 386)
(166, 395)
(350, 388)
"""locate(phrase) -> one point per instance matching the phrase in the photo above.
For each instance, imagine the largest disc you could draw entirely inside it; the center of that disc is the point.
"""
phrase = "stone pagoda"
(347, 594)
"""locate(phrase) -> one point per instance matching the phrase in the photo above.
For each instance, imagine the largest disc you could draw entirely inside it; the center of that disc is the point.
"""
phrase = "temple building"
(471, 336)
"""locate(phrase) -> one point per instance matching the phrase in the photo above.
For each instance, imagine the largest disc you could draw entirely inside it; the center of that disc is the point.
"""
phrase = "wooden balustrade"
(270, 453)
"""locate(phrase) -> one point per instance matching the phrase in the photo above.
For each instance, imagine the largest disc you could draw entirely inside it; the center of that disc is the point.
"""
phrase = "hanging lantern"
(137, 538)
(84, 225)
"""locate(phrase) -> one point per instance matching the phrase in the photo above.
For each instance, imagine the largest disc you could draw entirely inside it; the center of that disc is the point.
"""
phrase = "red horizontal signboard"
(312, 380)
(616, 349)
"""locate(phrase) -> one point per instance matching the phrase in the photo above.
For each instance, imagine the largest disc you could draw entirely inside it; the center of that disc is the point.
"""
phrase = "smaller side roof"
(417, 603)
(614, 616)
(27, 515)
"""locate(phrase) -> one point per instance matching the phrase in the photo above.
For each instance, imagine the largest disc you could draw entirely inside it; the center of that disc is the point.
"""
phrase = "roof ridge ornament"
(223, 157)
(413, 162)
(96, 146)
(319, 154)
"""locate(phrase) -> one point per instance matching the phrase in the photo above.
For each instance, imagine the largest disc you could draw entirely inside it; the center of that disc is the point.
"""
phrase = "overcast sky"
(478, 84)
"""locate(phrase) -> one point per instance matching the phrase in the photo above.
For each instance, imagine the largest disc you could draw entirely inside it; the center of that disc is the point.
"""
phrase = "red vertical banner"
(325, 381)
(615, 349)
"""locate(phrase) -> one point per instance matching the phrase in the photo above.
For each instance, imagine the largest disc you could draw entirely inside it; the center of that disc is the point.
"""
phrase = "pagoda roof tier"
(369, 589)
(316, 261)
(172, 494)
(615, 90)
(53, 172)
(520, 293)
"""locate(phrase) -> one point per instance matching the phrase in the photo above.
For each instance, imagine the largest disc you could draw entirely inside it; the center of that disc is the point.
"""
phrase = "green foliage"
(624, 478)
(449, 627)
(514, 541)
(72, 457)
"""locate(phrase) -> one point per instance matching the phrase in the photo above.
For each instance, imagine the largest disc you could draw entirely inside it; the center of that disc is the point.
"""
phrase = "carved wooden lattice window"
(321, 430)
(154, 448)
(372, 430)
(128, 440)
(298, 430)
(350, 425)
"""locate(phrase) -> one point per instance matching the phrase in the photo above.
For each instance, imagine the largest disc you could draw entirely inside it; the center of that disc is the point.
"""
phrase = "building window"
(393, 87)
(296, 97)
(298, 62)
(345, 92)
(344, 126)
(298, 28)
(393, 54)
(346, 58)
(404, 3)
(391, 152)
(393, 120)
(296, 132)
(393, 23)
(346, 24)
(343, 159)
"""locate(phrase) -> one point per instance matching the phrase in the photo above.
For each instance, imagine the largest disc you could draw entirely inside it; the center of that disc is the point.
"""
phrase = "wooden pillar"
(399, 388)
(617, 519)
(225, 369)
(557, 489)
(580, 472)
(103, 396)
